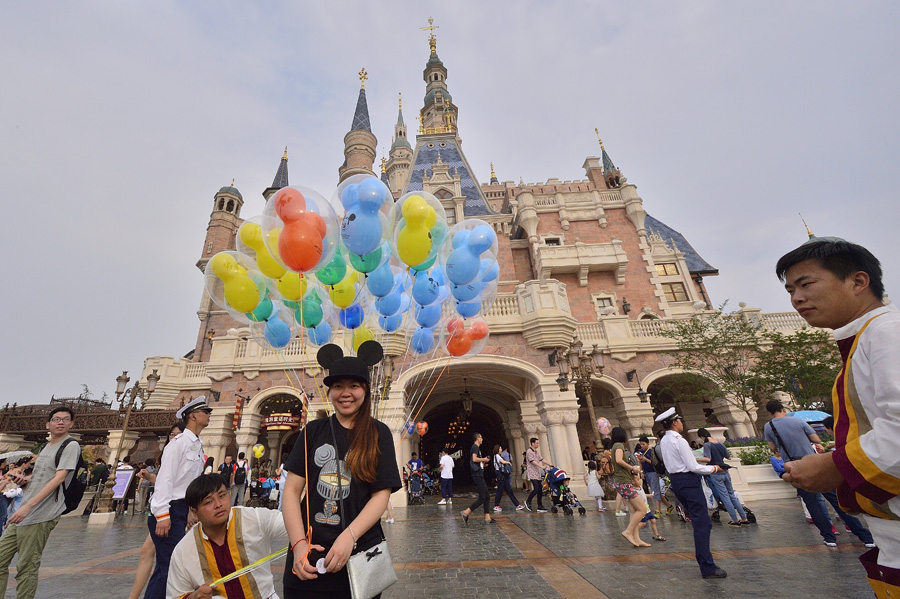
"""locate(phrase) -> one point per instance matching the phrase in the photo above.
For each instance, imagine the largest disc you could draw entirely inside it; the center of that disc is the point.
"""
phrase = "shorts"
(626, 490)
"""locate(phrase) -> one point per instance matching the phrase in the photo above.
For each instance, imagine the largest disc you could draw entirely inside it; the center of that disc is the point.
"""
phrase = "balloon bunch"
(362, 264)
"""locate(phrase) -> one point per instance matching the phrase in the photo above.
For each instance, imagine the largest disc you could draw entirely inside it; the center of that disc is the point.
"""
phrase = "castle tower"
(359, 143)
(438, 164)
(281, 177)
(397, 167)
(223, 224)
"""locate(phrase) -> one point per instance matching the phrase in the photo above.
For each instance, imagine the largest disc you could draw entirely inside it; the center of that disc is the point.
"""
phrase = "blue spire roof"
(361, 116)
(231, 190)
(608, 165)
(281, 175)
(400, 117)
(451, 155)
(694, 262)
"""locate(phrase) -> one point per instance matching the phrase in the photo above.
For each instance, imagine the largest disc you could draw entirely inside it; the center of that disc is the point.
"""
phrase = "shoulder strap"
(62, 448)
(780, 441)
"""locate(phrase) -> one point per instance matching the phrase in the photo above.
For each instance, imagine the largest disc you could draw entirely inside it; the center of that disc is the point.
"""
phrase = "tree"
(722, 348)
(804, 363)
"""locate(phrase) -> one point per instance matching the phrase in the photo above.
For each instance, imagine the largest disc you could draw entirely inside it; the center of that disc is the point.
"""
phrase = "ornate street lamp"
(131, 395)
(578, 366)
(466, 398)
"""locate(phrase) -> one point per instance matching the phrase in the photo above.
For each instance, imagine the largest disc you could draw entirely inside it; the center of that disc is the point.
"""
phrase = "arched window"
(221, 204)
(230, 205)
(443, 194)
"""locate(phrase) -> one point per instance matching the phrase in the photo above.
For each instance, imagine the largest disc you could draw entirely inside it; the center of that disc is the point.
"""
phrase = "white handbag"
(711, 502)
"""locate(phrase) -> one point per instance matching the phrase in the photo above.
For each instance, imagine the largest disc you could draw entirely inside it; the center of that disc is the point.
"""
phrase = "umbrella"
(12, 456)
(811, 415)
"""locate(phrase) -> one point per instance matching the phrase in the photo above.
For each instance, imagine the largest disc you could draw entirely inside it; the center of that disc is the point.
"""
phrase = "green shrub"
(760, 454)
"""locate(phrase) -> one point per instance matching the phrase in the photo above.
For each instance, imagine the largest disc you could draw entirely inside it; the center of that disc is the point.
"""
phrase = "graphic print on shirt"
(328, 488)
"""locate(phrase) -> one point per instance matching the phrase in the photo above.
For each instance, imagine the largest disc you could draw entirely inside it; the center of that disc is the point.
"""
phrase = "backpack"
(657, 462)
(240, 474)
(606, 465)
(74, 491)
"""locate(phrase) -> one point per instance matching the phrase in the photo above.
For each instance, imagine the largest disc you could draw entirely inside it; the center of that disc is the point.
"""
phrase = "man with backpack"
(44, 502)
(239, 480)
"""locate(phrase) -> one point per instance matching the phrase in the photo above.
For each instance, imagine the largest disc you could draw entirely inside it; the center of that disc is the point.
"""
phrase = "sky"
(120, 120)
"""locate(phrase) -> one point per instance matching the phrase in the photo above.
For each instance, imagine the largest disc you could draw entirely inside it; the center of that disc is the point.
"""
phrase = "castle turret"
(223, 224)
(359, 143)
(397, 167)
(281, 177)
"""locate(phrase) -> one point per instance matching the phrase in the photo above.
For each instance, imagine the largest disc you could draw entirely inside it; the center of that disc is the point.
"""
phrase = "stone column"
(517, 447)
(123, 443)
(739, 425)
(559, 446)
(273, 443)
(570, 421)
(635, 416)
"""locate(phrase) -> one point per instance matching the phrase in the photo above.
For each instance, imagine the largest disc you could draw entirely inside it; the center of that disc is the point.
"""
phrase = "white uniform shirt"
(446, 466)
(679, 457)
(263, 533)
(182, 462)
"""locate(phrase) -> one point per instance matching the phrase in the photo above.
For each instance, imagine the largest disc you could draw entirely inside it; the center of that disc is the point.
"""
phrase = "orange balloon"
(290, 204)
(479, 329)
(456, 326)
(422, 428)
(300, 245)
(459, 345)
(318, 222)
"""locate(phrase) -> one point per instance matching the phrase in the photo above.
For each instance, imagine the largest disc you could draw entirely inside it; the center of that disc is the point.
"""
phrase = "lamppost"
(123, 395)
(578, 366)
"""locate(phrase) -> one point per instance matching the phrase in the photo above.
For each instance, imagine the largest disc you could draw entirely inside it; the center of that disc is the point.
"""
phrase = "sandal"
(658, 538)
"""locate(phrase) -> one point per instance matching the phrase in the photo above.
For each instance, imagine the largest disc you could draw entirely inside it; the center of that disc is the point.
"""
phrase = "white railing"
(651, 327)
(610, 196)
(292, 349)
(195, 370)
(592, 331)
(505, 305)
(242, 349)
(783, 320)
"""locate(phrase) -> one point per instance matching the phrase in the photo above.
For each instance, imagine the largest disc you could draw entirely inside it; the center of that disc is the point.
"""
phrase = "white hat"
(193, 405)
(667, 415)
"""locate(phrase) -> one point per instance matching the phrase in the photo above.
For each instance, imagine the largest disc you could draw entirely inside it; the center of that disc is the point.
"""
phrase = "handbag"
(370, 571)
(711, 502)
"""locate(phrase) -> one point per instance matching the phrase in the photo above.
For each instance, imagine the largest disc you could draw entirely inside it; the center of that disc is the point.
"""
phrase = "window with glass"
(665, 270)
(675, 292)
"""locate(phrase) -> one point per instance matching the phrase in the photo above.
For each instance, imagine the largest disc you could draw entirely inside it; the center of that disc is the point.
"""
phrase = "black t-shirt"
(323, 492)
(717, 453)
(475, 467)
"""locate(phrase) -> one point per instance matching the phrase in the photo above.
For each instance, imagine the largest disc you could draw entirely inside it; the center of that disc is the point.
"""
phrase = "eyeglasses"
(60, 420)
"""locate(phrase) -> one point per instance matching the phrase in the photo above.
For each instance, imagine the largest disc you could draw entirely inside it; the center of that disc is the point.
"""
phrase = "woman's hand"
(340, 552)
(302, 568)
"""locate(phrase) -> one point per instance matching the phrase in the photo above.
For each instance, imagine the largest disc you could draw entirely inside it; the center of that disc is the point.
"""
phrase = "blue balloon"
(361, 229)
(426, 289)
(319, 335)
(468, 309)
(372, 191)
(277, 332)
(466, 293)
(390, 323)
(481, 239)
(422, 340)
(428, 316)
(462, 265)
(389, 304)
(460, 238)
(437, 273)
(351, 316)
(381, 280)
(490, 270)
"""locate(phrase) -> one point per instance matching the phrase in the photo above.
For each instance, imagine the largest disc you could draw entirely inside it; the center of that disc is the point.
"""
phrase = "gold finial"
(808, 232)
(383, 167)
(432, 41)
(285, 153)
(232, 181)
(362, 78)
(493, 174)
(598, 138)
(400, 100)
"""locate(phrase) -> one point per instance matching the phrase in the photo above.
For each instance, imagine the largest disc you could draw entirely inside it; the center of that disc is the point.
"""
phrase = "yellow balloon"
(251, 236)
(258, 450)
(414, 240)
(361, 335)
(343, 294)
(241, 293)
(292, 286)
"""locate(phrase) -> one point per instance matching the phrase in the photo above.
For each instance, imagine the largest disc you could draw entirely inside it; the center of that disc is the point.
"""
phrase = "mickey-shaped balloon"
(241, 292)
(251, 235)
(362, 228)
(301, 242)
(414, 241)
(464, 261)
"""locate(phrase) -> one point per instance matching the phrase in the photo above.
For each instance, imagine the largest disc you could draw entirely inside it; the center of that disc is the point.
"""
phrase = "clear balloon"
(351, 317)
(319, 335)
(301, 230)
(233, 282)
(422, 340)
(419, 229)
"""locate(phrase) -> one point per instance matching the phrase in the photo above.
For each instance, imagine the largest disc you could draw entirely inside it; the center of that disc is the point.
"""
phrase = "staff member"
(181, 463)
(684, 472)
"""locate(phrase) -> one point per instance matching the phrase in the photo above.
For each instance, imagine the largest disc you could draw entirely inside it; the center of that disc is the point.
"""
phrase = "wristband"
(297, 543)
(352, 535)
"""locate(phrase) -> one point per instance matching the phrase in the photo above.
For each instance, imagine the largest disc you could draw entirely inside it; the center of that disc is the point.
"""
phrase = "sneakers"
(601, 509)
(657, 514)
(491, 521)
(621, 513)
(871, 545)
(449, 501)
(835, 530)
(681, 515)
(465, 517)
(442, 502)
(830, 544)
(528, 507)
(520, 507)
(669, 510)
(542, 510)
(390, 520)
(497, 508)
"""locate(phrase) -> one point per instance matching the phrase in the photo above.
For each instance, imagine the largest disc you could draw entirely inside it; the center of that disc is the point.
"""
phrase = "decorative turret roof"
(446, 150)
(361, 116)
(281, 175)
(232, 190)
(400, 129)
(608, 165)
(695, 263)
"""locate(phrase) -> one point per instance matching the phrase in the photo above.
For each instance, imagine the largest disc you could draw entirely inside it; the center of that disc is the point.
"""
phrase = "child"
(593, 485)
(649, 517)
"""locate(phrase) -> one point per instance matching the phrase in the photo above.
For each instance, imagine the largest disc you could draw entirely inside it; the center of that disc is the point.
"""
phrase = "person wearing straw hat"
(684, 472)
(227, 539)
(181, 462)
(348, 466)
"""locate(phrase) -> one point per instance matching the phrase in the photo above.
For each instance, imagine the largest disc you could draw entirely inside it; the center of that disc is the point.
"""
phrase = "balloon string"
(405, 431)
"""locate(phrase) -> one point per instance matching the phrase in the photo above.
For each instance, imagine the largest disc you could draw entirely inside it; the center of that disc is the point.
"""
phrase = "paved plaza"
(525, 556)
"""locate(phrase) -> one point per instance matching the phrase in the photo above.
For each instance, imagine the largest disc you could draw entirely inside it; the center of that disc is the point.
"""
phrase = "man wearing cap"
(182, 462)
(684, 472)
(838, 285)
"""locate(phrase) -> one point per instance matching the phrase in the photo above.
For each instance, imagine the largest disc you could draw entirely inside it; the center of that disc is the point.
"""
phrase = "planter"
(759, 482)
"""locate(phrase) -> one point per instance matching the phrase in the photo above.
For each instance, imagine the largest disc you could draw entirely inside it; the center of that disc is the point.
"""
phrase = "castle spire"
(359, 143)
(281, 177)
(432, 41)
(611, 174)
(361, 115)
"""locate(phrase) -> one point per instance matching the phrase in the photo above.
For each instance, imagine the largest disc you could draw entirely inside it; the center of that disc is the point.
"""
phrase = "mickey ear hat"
(331, 357)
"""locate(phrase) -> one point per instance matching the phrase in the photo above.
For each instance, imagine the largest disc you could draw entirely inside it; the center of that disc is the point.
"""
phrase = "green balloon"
(262, 311)
(425, 265)
(367, 263)
(310, 314)
(333, 272)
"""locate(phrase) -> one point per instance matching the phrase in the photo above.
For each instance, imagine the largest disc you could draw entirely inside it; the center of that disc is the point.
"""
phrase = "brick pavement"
(525, 556)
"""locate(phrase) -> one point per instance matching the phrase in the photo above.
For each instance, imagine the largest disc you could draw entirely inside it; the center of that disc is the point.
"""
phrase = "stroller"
(263, 493)
(431, 485)
(716, 517)
(556, 482)
(415, 489)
